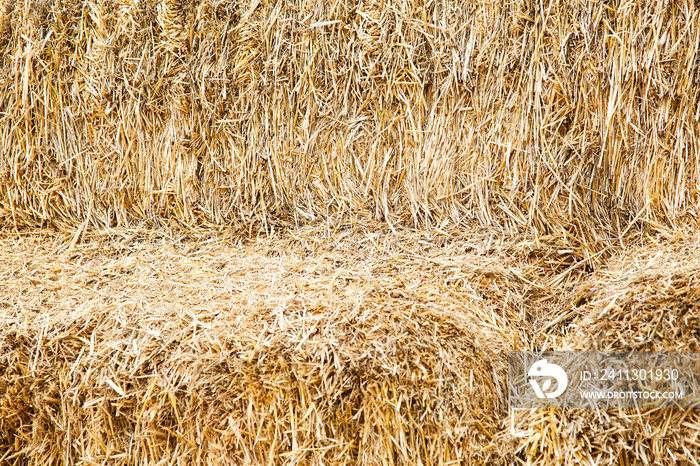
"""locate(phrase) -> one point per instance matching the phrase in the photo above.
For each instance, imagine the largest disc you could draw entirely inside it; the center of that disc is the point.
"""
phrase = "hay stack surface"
(570, 117)
(309, 348)
(575, 121)
(647, 299)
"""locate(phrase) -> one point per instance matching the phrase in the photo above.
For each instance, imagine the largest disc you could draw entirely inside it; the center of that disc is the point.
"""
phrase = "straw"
(574, 118)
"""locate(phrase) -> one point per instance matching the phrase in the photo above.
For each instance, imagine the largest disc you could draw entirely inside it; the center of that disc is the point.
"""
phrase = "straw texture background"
(350, 349)
(355, 346)
(306, 232)
(647, 299)
(571, 116)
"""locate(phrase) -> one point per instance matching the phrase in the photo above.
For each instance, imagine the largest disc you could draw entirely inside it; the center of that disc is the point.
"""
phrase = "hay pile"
(320, 346)
(345, 347)
(575, 118)
(647, 299)
(575, 122)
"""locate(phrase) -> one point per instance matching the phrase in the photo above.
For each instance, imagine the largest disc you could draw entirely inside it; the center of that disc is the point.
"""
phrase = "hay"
(312, 347)
(573, 122)
(323, 346)
(573, 118)
(646, 299)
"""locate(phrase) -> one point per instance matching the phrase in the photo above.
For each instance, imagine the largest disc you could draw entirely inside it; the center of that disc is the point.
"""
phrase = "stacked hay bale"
(647, 300)
(571, 119)
(578, 117)
(196, 352)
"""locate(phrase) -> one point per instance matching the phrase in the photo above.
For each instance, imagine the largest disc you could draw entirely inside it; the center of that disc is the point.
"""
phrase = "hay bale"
(342, 349)
(573, 117)
(647, 299)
